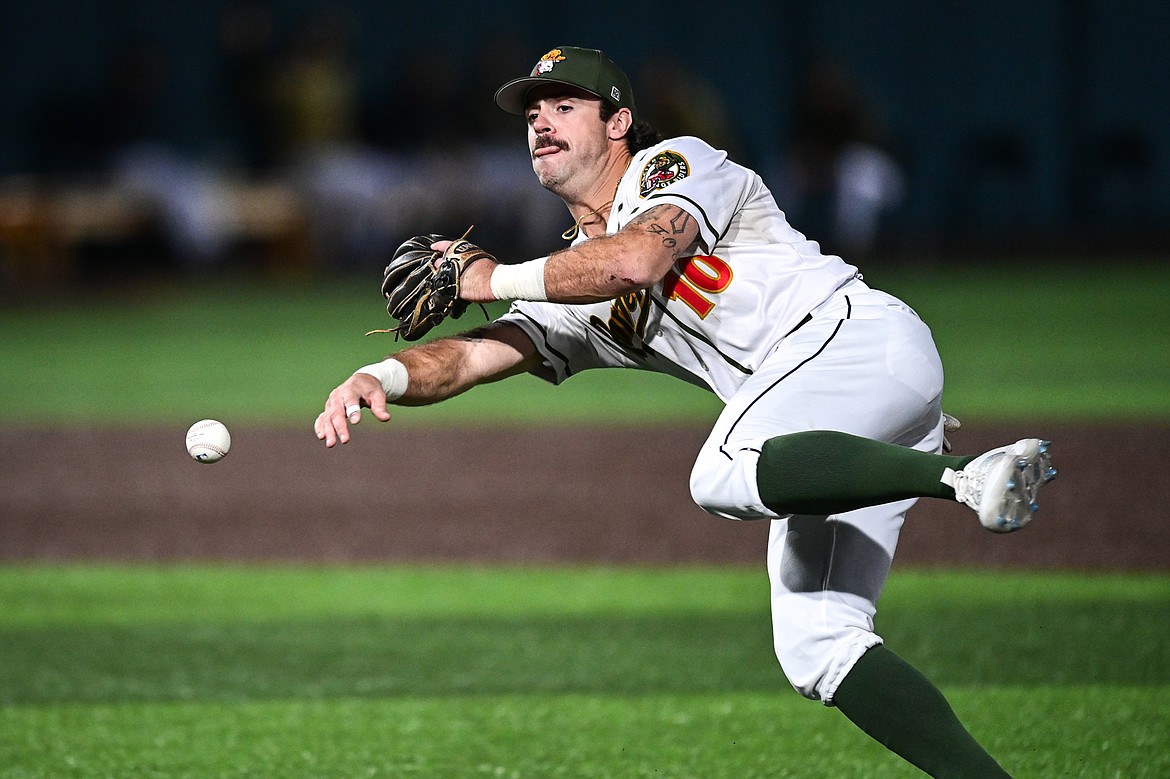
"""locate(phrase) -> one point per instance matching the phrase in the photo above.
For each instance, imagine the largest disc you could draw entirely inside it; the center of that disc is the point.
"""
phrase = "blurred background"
(309, 138)
(197, 200)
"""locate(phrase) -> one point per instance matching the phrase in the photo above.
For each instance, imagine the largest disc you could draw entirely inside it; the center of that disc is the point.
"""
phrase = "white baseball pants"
(867, 365)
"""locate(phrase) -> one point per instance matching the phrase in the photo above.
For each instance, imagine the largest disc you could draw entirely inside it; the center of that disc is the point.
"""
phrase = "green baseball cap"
(587, 69)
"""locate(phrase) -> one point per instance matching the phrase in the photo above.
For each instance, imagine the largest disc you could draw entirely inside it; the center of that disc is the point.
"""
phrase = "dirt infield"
(515, 496)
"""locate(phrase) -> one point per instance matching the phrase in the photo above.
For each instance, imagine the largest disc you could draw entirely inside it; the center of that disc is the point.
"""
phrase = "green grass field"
(280, 671)
(1019, 342)
(210, 671)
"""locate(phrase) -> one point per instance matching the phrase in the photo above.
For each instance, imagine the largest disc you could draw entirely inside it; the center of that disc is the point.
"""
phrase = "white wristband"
(392, 374)
(520, 282)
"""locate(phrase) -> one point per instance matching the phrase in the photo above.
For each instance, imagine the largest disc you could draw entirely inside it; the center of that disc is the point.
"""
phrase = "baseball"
(208, 441)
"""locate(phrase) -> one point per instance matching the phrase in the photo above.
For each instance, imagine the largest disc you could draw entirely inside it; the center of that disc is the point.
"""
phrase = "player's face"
(566, 137)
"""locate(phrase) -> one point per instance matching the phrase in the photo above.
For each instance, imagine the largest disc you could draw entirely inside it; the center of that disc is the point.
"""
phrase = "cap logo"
(616, 94)
(663, 169)
(546, 63)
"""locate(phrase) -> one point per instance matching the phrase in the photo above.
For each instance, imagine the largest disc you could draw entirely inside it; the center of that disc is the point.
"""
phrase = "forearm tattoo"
(669, 222)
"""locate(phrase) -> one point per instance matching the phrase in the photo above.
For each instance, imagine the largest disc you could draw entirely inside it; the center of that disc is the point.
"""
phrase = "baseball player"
(681, 262)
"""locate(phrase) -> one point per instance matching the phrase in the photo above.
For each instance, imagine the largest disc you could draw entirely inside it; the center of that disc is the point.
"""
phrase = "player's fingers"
(336, 416)
(368, 393)
(353, 413)
(337, 420)
(377, 401)
(325, 430)
(344, 408)
(439, 247)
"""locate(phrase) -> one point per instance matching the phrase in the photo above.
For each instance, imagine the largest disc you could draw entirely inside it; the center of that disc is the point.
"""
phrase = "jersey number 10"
(703, 273)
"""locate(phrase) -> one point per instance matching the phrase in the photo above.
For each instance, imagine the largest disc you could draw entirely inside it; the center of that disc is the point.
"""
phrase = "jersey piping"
(548, 346)
(773, 385)
(696, 334)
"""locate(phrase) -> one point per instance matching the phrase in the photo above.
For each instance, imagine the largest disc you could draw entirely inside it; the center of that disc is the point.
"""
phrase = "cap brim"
(513, 96)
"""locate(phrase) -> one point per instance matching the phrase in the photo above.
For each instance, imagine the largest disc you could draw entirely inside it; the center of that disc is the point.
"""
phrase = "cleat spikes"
(1002, 485)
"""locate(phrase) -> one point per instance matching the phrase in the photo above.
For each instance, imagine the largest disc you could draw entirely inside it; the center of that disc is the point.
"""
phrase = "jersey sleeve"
(563, 336)
(699, 179)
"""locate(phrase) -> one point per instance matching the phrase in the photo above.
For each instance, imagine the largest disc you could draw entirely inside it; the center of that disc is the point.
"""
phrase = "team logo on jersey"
(663, 169)
(546, 63)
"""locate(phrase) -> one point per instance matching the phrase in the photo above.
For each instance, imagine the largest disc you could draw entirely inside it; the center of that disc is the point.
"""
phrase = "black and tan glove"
(421, 285)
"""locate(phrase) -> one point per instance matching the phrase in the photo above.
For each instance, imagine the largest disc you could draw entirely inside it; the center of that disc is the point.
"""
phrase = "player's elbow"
(630, 276)
(639, 263)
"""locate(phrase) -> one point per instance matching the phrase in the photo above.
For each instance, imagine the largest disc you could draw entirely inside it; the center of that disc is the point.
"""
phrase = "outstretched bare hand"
(344, 408)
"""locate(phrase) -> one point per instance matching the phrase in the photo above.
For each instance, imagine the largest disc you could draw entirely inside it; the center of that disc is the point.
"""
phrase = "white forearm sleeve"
(520, 282)
(392, 374)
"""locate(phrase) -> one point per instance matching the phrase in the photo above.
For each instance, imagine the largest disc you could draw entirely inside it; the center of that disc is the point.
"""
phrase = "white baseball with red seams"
(208, 441)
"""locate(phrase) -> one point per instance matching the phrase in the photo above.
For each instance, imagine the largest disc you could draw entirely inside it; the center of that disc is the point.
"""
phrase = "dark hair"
(641, 135)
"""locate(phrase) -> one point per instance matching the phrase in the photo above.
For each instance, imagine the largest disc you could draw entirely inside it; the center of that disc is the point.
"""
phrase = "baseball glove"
(421, 285)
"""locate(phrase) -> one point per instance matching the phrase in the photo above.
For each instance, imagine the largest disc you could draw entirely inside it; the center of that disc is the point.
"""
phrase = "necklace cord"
(575, 230)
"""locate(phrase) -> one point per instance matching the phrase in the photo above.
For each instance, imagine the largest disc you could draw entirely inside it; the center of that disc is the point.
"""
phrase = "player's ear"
(619, 124)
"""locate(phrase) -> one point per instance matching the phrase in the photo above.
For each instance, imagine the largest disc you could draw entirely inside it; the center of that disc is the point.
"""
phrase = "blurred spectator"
(246, 43)
(838, 180)
(514, 215)
(317, 144)
(434, 155)
(119, 137)
(316, 93)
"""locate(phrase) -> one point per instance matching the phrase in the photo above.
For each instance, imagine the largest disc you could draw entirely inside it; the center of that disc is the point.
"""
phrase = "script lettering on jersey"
(627, 322)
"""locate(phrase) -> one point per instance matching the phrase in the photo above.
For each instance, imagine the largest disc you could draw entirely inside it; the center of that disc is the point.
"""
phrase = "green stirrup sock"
(825, 472)
(900, 709)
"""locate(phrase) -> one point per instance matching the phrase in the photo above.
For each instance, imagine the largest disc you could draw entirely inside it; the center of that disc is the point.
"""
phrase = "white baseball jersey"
(863, 363)
(749, 280)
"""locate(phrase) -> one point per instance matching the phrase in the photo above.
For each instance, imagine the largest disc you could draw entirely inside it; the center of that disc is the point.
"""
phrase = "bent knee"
(816, 666)
(724, 484)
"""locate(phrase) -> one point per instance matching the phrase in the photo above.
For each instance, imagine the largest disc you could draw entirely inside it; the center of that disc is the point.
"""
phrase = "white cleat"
(1001, 485)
